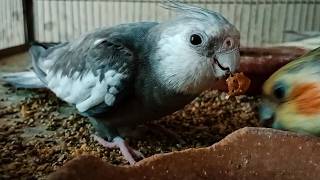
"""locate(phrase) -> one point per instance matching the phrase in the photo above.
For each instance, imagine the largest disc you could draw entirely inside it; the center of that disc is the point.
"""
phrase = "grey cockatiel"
(128, 74)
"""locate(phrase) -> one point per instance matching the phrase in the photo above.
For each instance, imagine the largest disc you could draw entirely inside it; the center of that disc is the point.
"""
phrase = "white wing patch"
(88, 91)
(98, 41)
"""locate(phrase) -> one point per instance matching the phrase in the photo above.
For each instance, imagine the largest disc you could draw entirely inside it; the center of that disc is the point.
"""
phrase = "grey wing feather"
(97, 75)
(97, 68)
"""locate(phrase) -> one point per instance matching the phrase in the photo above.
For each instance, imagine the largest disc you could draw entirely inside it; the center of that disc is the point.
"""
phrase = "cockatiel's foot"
(118, 142)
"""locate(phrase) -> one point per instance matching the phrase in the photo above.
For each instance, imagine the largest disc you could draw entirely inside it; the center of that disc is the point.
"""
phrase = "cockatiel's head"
(195, 49)
(292, 96)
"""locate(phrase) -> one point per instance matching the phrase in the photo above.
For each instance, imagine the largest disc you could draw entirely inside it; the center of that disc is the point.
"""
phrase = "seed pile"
(41, 133)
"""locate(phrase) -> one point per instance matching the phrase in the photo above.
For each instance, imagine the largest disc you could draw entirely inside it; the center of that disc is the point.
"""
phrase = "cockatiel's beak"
(227, 62)
(227, 59)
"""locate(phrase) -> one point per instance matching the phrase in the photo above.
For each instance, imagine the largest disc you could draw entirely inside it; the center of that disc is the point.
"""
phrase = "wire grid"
(259, 21)
(11, 23)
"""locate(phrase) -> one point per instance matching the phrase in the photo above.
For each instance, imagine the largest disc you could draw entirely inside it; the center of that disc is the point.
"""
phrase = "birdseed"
(41, 133)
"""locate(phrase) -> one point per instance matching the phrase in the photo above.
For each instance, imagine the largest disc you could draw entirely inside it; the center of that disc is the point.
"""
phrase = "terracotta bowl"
(249, 153)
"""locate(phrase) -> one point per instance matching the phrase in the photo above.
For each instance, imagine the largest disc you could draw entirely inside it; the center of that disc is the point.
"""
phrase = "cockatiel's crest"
(192, 11)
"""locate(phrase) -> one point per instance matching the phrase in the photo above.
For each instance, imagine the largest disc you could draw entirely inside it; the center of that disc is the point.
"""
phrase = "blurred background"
(261, 22)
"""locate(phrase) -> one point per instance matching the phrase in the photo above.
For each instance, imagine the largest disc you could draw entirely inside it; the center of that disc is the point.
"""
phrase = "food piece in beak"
(237, 84)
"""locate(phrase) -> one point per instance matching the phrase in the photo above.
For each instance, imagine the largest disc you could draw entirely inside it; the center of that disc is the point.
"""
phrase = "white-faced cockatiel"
(292, 96)
(126, 75)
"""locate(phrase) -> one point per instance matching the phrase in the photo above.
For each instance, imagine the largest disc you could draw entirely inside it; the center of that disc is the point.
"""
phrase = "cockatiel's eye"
(195, 39)
(279, 91)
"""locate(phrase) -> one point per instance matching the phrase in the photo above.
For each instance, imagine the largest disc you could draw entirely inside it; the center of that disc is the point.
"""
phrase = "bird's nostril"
(228, 43)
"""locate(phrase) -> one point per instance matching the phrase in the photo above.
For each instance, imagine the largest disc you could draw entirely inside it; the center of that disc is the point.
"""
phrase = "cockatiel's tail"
(292, 96)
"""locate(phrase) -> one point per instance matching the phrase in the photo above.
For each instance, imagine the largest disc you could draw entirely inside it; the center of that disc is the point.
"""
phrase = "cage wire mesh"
(11, 23)
(260, 22)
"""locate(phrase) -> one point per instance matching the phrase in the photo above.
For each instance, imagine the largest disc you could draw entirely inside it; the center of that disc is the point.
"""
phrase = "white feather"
(26, 79)
(182, 68)
(98, 41)
(113, 90)
(109, 99)
(85, 92)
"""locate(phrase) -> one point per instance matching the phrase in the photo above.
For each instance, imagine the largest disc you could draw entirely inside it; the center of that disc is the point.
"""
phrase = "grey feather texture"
(129, 74)
(23, 80)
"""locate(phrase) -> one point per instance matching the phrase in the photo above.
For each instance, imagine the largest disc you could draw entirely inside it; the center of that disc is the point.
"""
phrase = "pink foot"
(125, 149)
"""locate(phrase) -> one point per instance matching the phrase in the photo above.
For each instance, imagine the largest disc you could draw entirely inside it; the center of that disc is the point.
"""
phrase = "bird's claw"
(128, 152)
(137, 154)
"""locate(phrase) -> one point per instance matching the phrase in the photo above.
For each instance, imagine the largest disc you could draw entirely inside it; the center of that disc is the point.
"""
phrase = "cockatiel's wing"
(292, 96)
(91, 71)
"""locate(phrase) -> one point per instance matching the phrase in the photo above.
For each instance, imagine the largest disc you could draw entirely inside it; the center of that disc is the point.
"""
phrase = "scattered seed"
(206, 120)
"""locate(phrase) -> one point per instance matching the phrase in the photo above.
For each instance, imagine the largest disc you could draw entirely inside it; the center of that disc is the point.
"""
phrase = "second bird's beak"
(266, 115)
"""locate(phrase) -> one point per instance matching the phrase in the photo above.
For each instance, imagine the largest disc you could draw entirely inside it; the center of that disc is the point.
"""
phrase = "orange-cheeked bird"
(291, 96)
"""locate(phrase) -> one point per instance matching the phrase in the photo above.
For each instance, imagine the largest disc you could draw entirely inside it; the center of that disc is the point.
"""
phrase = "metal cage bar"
(261, 22)
(17, 26)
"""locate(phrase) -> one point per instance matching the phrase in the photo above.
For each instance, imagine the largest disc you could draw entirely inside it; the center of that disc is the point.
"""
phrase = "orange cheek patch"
(306, 97)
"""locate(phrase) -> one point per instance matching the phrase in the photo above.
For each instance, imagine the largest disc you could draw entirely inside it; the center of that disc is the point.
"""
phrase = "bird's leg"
(114, 140)
(118, 142)
(157, 129)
